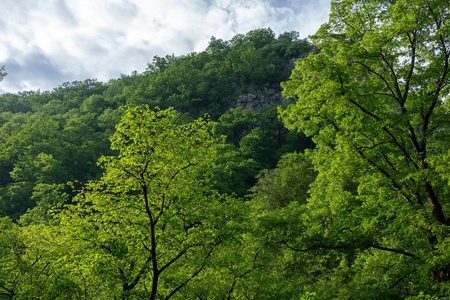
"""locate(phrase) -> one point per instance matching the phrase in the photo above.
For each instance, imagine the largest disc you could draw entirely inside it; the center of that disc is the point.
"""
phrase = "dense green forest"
(196, 179)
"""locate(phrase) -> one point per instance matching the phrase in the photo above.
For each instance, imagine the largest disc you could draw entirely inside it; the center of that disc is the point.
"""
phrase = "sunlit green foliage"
(175, 205)
(374, 102)
(152, 217)
(72, 123)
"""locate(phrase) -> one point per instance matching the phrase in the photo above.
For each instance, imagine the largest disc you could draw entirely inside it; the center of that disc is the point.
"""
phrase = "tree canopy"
(127, 190)
(375, 101)
(72, 122)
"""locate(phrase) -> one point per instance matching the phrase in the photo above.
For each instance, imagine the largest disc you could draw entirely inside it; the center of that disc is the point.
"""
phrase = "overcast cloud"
(44, 43)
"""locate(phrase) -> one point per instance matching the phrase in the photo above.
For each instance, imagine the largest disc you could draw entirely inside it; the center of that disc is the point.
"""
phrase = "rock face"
(259, 99)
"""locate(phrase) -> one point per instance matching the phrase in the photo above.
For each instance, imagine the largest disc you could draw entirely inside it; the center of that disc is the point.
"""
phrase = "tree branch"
(387, 175)
(412, 42)
(192, 276)
(392, 250)
(378, 119)
(174, 259)
(10, 292)
(318, 246)
(161, 211)
(399, 280)
(396, 86)
(382, 78)
(142, 271)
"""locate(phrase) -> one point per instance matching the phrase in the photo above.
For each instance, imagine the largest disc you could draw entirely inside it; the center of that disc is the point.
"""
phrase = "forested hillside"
(50, 138)
(196, 179)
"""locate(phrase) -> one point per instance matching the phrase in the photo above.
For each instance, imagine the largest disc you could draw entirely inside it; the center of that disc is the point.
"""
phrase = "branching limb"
(192, 276)
(318, 246)
(387, 175)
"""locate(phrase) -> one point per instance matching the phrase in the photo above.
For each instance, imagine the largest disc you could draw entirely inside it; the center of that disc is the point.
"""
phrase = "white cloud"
(44, 43)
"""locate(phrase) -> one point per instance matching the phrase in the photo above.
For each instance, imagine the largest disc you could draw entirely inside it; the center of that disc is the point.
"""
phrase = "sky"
(44, 43)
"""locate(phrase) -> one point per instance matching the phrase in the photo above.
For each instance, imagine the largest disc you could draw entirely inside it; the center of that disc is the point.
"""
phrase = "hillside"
(51, 138)
(259, 168)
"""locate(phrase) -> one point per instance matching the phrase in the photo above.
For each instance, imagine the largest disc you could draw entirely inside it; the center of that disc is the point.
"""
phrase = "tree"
(375, 100)
(236, 124)
(29, 265)
(2, 72)
(152, 223)
(286, 183)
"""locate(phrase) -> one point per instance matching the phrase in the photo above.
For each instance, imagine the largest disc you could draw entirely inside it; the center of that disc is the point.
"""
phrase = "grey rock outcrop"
(257, 99)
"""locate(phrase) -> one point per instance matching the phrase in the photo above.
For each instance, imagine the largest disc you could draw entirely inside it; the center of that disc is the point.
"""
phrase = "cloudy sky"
(44, 43)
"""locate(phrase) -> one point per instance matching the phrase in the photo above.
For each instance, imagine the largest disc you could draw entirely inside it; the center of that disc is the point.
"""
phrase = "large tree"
(152, 224)
(375, 99)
